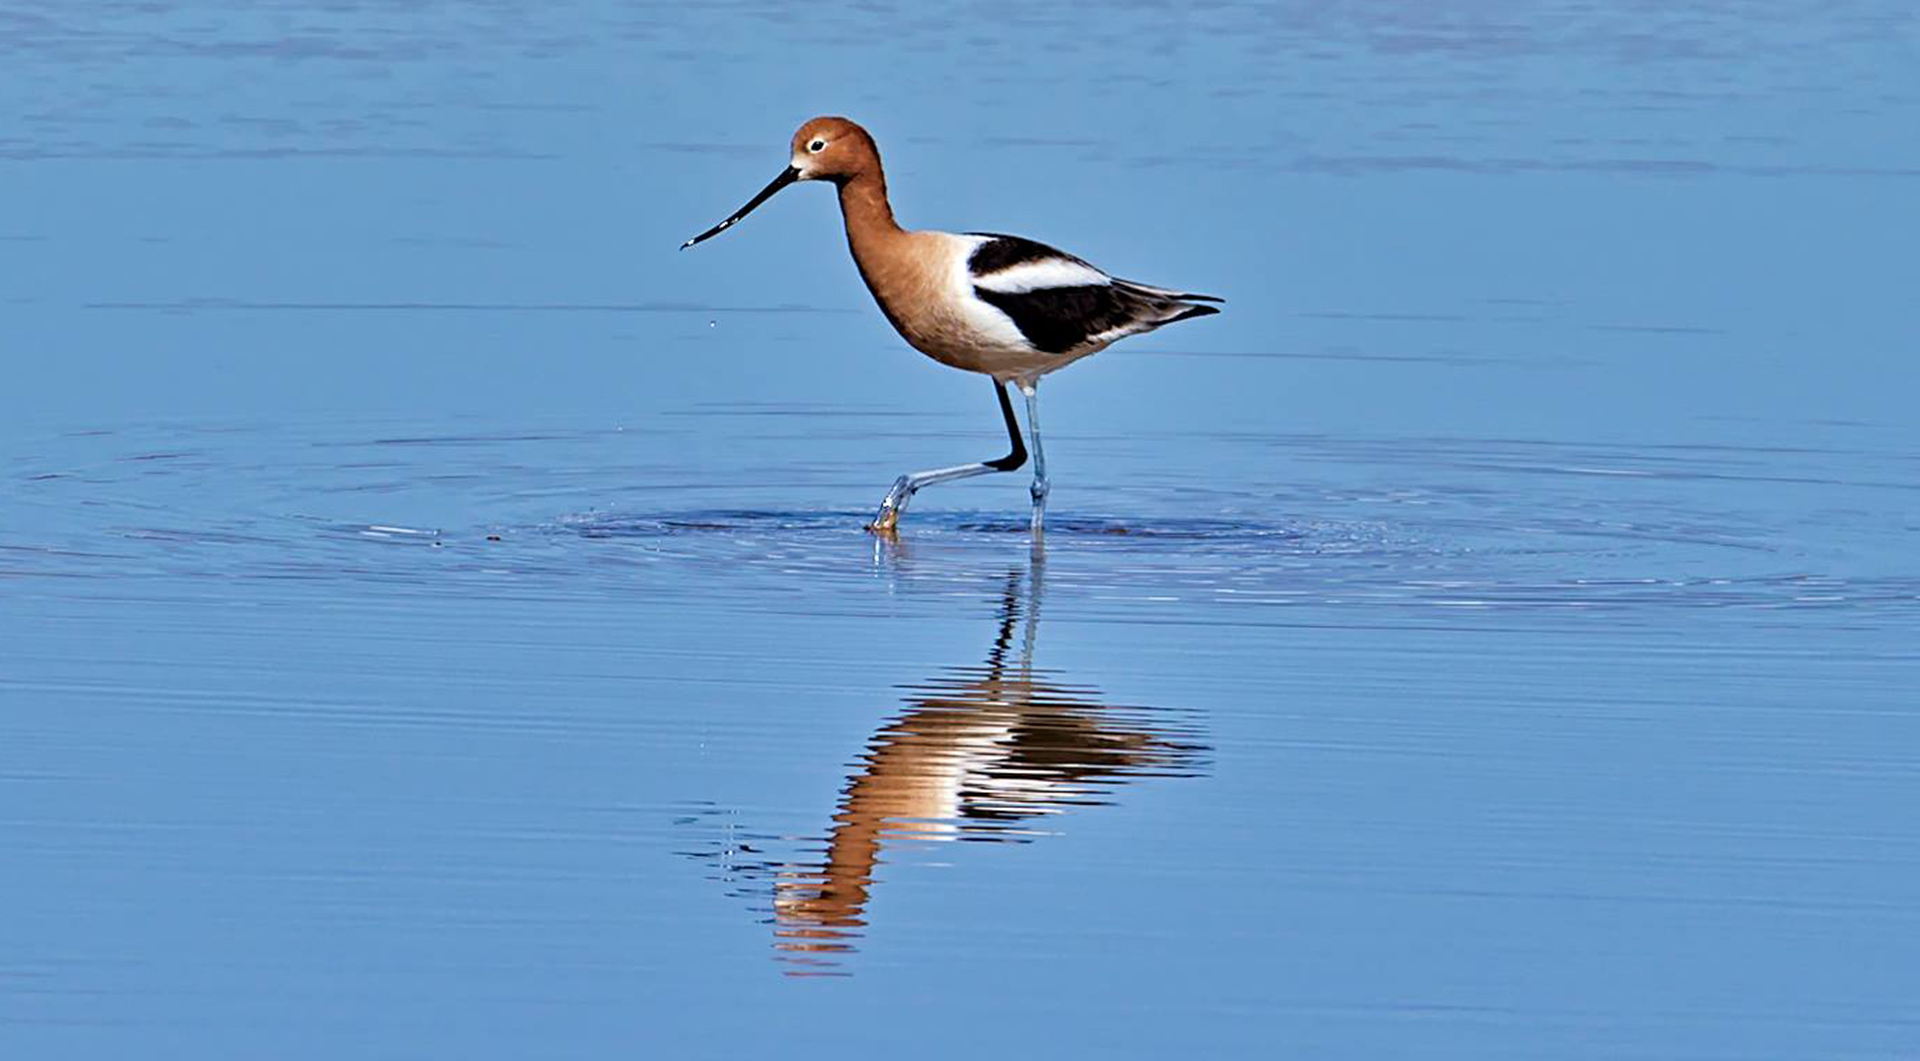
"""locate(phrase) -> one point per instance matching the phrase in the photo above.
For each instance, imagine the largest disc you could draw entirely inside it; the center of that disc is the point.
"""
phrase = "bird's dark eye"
(817, 146)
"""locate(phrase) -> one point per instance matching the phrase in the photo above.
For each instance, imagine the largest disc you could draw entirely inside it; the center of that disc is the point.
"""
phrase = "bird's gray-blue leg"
(1032, 391)
(907, 485)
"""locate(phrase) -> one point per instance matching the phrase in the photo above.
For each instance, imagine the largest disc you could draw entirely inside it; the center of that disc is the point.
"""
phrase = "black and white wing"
(1061, 304)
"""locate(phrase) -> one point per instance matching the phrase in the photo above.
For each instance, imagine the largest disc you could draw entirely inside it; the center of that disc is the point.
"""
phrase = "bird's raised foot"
(887, 520)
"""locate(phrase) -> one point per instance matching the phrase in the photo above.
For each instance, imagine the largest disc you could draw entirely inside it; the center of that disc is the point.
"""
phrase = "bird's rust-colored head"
(825, 148)
(834, 149)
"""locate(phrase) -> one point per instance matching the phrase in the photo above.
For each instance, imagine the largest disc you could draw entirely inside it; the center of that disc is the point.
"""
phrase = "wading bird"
(1003, 306)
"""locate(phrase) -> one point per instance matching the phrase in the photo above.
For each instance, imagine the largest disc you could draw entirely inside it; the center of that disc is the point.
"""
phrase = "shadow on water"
(981, 753)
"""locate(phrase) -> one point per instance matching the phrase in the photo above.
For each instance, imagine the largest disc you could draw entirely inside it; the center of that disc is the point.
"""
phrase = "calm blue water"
(434, 619)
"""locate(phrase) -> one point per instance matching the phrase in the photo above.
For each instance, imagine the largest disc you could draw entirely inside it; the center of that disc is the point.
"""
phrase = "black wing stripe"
(1005, 252)
(1058, 319)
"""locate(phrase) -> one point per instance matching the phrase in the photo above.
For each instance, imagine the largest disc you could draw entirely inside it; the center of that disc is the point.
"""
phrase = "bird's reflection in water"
(981, 753)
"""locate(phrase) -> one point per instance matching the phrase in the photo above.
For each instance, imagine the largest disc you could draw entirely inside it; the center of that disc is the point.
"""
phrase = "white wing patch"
(982, 325)
(1038, 275)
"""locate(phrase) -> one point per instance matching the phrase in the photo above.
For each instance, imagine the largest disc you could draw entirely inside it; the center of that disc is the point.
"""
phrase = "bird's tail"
(1151, 292)
(1157, 306)
(1191, 312)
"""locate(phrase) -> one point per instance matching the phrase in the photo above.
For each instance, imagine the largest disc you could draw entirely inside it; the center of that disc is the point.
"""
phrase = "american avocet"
(1004, 306)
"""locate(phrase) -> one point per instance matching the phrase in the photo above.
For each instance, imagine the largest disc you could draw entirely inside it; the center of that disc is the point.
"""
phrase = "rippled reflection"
(989, 753)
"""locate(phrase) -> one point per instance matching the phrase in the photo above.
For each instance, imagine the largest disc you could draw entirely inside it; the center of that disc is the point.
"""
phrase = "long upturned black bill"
(786, 177)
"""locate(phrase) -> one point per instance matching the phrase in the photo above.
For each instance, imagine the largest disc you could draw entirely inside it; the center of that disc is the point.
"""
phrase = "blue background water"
(434, 619)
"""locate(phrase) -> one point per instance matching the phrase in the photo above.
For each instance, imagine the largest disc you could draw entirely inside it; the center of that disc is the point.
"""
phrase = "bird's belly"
(954, 339)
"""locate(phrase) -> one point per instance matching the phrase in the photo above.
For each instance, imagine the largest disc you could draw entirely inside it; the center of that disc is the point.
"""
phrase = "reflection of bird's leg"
(1036, 577)
(1009, 608)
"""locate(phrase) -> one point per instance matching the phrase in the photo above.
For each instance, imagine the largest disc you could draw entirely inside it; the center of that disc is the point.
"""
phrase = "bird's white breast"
(976, 324)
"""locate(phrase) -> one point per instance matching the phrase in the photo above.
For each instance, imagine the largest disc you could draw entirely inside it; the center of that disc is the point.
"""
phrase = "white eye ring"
(816, 147)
